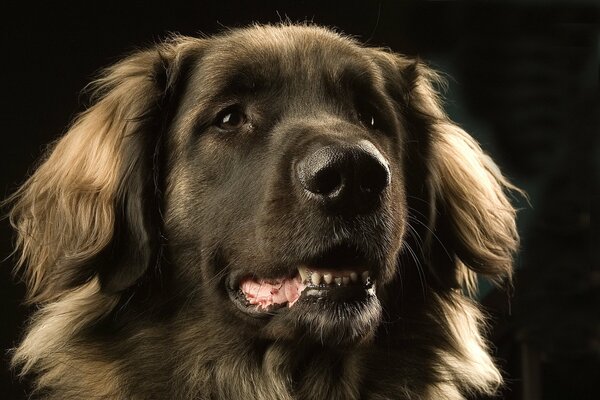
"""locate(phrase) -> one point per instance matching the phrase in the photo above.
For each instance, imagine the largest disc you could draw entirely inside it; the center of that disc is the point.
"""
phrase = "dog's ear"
(460, 211)
(473, 221)
(92, 207)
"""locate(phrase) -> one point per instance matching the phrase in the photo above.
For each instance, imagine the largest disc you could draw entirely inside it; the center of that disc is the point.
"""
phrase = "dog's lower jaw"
(327, 323)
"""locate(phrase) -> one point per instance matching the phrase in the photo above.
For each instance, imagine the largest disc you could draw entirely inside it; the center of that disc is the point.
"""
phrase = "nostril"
(322, 172)
(374, 178)
(325, 181)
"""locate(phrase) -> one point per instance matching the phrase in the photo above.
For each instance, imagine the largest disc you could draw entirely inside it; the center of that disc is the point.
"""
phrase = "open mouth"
(259, 296)
(329, 297)
(342, 275)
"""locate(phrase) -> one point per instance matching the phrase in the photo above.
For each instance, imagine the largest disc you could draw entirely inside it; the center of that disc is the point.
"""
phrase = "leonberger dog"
(274, 212)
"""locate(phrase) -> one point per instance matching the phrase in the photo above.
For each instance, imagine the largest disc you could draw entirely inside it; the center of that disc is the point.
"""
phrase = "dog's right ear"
(92, 208)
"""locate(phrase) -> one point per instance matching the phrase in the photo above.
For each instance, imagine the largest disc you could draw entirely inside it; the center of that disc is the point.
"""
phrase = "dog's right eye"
(231, 118)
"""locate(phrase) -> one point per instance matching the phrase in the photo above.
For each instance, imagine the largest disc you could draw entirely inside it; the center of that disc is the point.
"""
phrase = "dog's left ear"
(474, 220)
(470, 222)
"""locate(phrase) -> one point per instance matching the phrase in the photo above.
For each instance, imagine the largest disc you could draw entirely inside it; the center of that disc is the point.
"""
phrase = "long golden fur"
(129, 226)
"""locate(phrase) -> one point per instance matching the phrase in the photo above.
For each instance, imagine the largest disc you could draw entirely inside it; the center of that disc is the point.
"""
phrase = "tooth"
(338, 281)
(315, 278)
(354, 276)
(328, 278)
(303, 273)
(346, 280)
(365, 276)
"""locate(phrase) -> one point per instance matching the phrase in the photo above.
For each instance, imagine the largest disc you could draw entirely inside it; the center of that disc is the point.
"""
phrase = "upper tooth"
(315, 278)
(303, 273)
(365, 276)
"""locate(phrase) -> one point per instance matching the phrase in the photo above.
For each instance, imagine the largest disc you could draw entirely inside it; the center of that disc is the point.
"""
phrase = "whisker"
(421, 272)
(434, 235)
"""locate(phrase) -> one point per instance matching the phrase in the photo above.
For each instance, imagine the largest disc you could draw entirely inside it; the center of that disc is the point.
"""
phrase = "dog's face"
(263, 189)
(286, 192)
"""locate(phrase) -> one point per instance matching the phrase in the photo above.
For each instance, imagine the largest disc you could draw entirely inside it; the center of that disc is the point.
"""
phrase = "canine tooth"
(346, 280)
(315, 278)
(365, 276)
(303, 273)
(354, 276)
(338, 281)
(328, 278)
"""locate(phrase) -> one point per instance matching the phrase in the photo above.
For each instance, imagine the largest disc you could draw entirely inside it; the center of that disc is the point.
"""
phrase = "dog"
(274, 212)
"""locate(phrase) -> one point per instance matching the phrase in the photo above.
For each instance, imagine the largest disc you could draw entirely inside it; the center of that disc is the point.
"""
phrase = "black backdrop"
(524, 81)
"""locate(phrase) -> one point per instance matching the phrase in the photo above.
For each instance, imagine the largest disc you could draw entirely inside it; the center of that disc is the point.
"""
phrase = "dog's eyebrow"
(224, 85)
(243, 79)
(357, 77)
(243, 82)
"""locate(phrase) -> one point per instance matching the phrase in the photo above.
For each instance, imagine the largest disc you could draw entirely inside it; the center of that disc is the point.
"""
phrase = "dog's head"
(284, 179)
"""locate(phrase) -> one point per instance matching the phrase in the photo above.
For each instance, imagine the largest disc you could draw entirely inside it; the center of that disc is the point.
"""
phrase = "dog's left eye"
(231, 118)
(368, 119)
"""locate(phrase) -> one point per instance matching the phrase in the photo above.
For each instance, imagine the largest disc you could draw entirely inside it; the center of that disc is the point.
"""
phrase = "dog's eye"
(368, 119)
(231, 118)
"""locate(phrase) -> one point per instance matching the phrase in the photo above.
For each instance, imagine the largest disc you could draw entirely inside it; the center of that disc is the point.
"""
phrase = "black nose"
(346, 178)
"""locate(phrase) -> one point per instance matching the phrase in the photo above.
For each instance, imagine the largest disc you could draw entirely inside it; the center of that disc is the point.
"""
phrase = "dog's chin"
(327, 321)
(326, 307)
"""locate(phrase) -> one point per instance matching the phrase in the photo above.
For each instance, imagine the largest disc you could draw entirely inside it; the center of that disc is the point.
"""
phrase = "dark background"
(523, 80)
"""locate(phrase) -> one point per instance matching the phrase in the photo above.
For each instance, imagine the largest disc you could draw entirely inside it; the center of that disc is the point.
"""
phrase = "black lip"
(351, 292)
(238, 298)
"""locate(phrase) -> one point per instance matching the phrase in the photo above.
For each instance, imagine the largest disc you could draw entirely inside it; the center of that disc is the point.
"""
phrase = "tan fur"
(472, 188)
(48, 346)
(65, 212)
